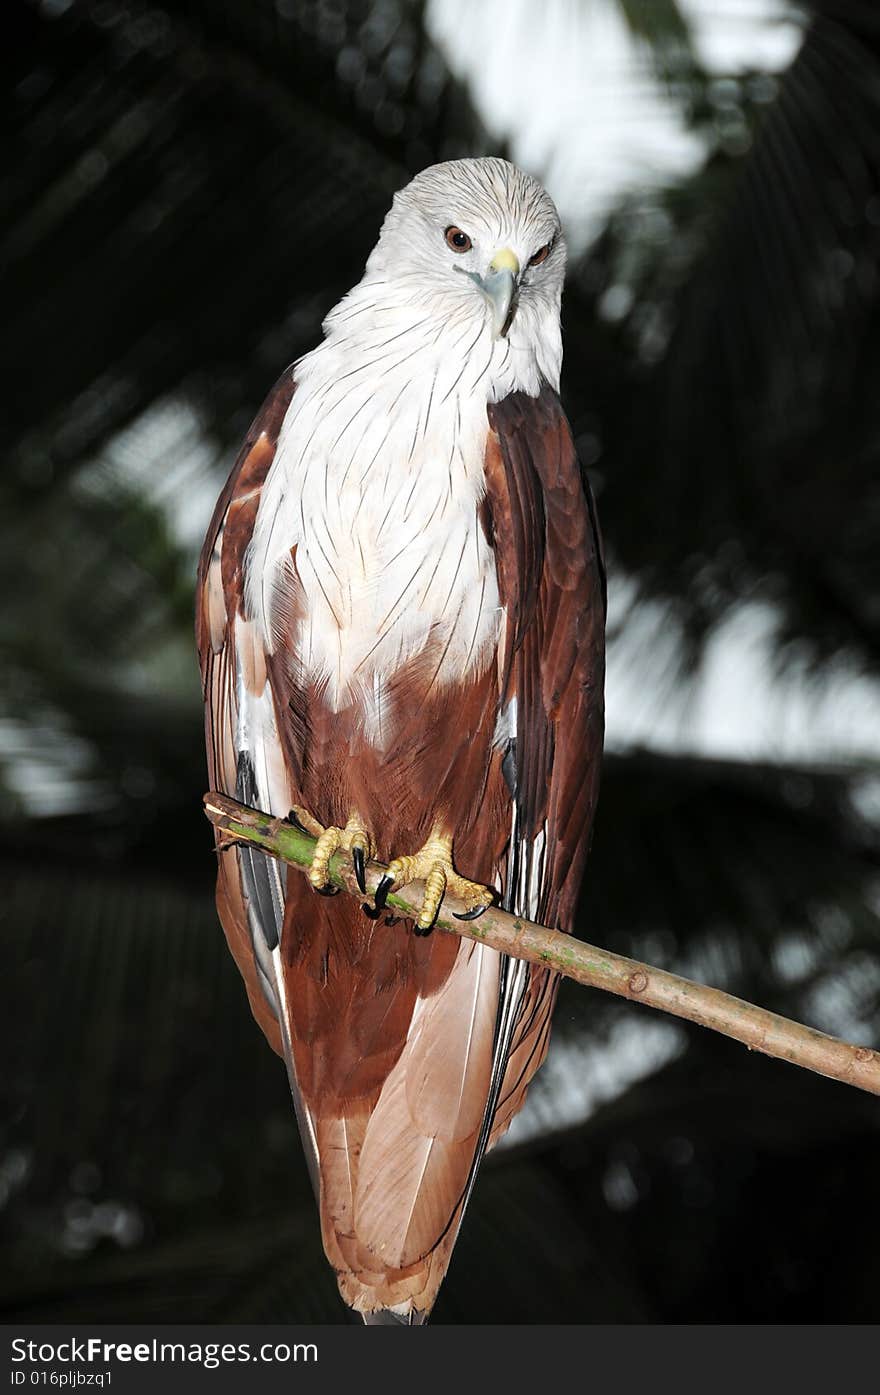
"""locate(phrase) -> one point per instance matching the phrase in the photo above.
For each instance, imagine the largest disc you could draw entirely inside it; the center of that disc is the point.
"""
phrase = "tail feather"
(387, 1317)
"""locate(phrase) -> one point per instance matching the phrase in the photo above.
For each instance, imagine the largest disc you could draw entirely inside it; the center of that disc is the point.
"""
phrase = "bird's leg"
(354, 838)
(432, 864)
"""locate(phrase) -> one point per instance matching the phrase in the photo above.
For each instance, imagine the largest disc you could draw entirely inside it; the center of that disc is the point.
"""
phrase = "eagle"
(400, 624)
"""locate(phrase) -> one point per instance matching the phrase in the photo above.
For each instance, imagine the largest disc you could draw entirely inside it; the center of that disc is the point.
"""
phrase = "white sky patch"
(47, 767)
(743, 704)
(732, 35)
(166, 456)
(577, 97)
(578, 1077)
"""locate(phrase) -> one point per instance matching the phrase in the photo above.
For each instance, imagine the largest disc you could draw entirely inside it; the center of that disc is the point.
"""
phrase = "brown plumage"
(408, 1055)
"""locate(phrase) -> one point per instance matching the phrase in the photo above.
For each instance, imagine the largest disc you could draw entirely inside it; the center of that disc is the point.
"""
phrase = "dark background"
(186, 189)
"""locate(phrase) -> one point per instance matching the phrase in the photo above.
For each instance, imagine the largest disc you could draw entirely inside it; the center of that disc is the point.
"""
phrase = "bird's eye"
(541, 255)
(458, 240)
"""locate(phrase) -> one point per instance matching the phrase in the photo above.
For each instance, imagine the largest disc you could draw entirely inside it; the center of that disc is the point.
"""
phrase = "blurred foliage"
(188, 188)
(732, 393)
(663, 28)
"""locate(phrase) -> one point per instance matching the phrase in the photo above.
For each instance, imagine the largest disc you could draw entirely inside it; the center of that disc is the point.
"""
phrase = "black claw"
(291, 818)
(357, 857)
(470, 915)
(328, 890)
(380, 896)
(426, 929)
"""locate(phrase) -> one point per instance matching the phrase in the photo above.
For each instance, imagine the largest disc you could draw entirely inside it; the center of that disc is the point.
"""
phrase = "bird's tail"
(387, 1317)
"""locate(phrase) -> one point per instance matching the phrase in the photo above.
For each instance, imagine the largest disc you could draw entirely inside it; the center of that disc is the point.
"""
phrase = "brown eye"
(541, 255)
(458, 240)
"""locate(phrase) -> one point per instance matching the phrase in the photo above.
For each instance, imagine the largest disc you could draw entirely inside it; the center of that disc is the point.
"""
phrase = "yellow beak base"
(505, 260)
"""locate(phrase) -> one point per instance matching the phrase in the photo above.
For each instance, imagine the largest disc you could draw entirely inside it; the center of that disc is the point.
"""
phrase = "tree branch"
(755, 1027)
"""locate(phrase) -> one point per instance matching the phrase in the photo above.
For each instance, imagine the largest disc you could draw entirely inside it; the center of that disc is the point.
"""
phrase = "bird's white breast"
(376, 482)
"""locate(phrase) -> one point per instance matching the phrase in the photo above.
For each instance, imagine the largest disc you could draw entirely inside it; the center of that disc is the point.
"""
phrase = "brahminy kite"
(401, 609)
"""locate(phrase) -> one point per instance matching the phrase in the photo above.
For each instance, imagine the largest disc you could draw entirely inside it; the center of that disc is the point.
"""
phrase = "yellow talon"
(324, 849)
(354, 839)
(307, 820)
(432, 864)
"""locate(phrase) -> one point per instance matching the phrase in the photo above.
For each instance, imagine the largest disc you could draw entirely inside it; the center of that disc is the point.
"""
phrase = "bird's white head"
(477, 244)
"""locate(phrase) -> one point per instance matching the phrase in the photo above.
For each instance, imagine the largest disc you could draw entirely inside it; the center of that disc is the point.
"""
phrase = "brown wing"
(231, 659)
(541, 519)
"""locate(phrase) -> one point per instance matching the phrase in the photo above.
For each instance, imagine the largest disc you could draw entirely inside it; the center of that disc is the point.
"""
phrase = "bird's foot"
(432, 864)
(354, 838)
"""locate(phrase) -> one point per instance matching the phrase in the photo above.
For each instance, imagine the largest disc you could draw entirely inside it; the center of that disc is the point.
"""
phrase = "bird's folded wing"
(540, 515)
(245, 756)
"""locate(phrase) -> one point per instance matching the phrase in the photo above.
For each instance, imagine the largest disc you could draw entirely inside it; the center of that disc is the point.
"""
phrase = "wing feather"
(552, 583)
(245, 757)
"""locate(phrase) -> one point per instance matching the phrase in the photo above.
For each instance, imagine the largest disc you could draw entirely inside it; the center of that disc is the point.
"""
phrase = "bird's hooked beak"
(499, 286)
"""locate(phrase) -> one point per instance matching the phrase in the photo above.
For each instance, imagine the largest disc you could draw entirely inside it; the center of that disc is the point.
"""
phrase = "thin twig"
(755, 1027)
